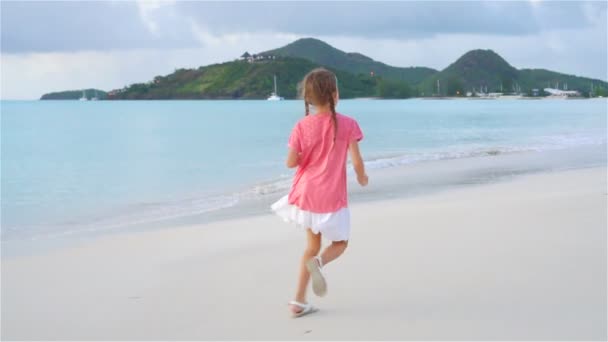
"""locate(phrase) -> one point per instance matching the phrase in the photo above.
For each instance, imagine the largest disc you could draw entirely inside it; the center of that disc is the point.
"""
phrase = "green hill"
(74, 94)
(252, 78)
(475, 69)
(486, 70)
(244, 80)
(322, 53)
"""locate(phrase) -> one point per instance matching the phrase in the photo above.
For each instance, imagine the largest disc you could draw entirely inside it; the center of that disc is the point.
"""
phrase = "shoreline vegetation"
(455, 98)
(480, 74)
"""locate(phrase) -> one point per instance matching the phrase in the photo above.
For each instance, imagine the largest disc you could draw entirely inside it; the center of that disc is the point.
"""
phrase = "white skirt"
(334, 226)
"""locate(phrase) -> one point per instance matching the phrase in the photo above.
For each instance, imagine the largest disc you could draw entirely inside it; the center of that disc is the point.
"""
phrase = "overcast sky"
(51, 46)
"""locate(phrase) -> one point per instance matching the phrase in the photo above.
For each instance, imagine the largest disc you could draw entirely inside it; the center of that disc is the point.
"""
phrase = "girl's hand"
(363, 179)
(358, 164)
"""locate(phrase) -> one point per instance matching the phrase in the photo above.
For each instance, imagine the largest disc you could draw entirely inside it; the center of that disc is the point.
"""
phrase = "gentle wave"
(147, 213)
(545, 143)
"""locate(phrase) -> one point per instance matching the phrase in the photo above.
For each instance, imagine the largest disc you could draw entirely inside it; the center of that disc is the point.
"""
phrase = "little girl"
(317, 201)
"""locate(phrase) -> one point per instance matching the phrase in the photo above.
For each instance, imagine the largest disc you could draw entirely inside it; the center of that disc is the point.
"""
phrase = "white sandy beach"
(523, 259)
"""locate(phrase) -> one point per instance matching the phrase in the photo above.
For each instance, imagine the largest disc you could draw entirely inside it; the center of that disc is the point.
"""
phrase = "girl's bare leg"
(333, 251)
(312, 249)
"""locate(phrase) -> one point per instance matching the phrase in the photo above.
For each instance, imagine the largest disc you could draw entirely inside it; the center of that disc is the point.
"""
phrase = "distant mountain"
(475, 69)
(322, 53)
(486, 70)
(242, 79)
(74, 94)
(251, 77)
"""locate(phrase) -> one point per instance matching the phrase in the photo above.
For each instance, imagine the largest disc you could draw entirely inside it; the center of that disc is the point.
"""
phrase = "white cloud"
(28, 76)
(150, 12)
(260, 40)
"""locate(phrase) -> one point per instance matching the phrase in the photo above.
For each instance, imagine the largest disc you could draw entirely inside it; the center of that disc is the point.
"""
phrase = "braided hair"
(318, 88)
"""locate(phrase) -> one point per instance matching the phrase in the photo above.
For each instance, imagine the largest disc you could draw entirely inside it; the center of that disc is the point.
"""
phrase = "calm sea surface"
(74, 167)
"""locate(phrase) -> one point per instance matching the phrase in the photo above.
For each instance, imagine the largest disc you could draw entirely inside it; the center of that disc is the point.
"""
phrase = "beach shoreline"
(523, 258)
(391, 180)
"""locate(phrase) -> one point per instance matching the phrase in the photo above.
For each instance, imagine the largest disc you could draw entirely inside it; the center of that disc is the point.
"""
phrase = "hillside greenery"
(476, 70)
(244, 80)
(485, 70)
(322, 53)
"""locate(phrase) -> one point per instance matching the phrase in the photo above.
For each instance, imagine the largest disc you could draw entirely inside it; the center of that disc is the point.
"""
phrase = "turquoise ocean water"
(73, 167)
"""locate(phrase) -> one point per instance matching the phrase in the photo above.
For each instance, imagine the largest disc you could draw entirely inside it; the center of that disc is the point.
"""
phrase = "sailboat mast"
(275, 84)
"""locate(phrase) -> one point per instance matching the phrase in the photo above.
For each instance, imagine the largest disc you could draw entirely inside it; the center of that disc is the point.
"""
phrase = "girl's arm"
(293, 158)
(358, 165)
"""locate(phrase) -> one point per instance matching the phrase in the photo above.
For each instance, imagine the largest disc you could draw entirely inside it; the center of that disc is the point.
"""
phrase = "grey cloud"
(73, 26)
(80, 25)
(396, 20)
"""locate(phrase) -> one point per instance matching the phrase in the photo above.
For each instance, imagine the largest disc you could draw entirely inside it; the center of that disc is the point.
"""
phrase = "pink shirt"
(319, 184)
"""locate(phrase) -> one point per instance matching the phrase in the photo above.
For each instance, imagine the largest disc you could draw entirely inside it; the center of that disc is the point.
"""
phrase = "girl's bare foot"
(295, 309)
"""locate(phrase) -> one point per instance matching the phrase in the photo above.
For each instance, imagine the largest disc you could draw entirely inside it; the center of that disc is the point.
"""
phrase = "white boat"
(84, 97)
(274, 96)
(95, 98)
(510, 97)
(556, 93)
